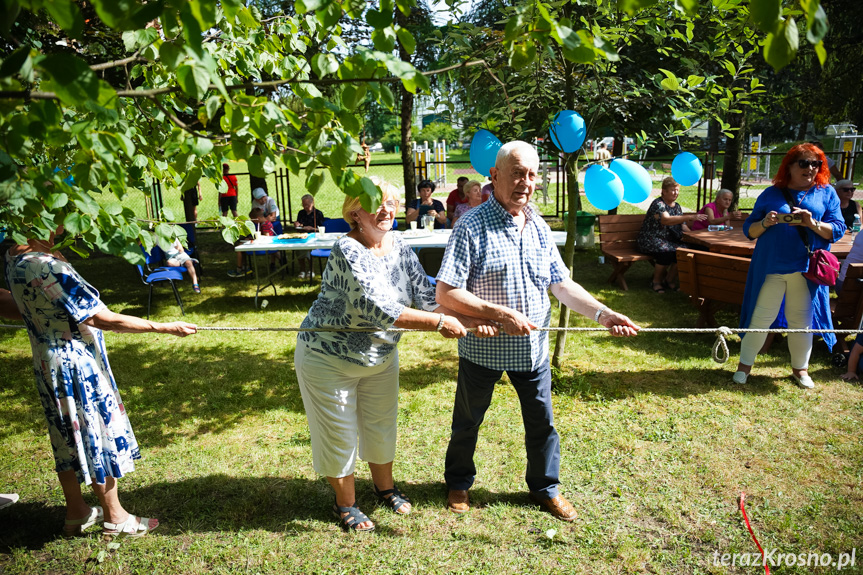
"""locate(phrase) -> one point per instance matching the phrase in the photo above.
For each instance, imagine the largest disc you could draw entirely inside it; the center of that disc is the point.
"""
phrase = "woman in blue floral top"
(90, 434)
(349, 379)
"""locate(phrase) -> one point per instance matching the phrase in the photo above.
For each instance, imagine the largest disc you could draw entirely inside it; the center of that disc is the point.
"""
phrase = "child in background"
(176, 257)
(263, 225)
(855, 365)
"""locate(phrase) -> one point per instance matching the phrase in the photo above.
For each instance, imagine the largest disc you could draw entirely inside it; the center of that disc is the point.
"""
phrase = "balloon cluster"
(622, 180)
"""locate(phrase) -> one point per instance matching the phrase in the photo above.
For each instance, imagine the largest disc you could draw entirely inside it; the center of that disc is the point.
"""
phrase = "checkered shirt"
(489, 257)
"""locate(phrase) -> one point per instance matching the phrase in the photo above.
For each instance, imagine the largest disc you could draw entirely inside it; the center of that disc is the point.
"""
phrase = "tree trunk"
(734, 148)
(713, 132)
(406, 116)
(801, 129)
(574, 203)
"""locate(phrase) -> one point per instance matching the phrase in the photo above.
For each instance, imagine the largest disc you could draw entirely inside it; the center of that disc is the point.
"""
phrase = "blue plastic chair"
(192, 249)
(169, 275)
(331, 226)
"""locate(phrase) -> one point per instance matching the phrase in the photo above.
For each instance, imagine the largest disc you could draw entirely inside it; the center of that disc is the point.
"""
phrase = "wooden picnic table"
(733, 242)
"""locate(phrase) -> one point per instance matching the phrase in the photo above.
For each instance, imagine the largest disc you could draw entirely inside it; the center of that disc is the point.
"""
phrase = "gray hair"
(505, 151)
(723, 191)
(308, 197)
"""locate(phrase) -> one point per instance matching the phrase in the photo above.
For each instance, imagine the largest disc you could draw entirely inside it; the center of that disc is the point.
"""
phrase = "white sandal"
(75, 527)
(133, 527)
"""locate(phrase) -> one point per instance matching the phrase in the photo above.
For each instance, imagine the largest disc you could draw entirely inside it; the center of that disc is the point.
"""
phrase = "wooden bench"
(711, 280)
(617, 235)
(848, 307)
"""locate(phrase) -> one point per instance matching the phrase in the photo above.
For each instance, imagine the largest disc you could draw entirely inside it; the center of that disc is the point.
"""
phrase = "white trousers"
(798, 312)
(345, 402)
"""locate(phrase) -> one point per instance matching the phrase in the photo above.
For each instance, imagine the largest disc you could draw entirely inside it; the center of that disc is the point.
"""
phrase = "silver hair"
(723, 191)
(505, 151)
(308, 197)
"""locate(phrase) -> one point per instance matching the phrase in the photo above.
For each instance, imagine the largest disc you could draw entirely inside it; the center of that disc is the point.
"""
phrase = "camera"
(790, 218)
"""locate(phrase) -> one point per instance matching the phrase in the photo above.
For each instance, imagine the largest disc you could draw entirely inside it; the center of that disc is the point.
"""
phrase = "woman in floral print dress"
(90, 434)
(349, 380)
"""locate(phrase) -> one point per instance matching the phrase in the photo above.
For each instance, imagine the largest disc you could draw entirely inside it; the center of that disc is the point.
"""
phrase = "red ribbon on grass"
(754, 538)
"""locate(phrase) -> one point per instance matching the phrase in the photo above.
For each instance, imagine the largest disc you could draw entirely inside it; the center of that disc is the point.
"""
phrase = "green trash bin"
(584, 222)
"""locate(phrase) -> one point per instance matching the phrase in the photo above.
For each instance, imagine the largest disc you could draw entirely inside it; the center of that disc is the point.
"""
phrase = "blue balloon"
(483, 151)
(603, 187)
(636, 181)
(567, 131)
(686, 169)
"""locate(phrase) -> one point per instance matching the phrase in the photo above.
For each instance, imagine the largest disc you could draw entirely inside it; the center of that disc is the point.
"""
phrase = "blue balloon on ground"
(636, 181)
(603, 188)
(567, 131)
(483, 151)
(686, 169)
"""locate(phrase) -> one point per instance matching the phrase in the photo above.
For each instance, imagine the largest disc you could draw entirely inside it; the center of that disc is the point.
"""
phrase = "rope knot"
(720, 347)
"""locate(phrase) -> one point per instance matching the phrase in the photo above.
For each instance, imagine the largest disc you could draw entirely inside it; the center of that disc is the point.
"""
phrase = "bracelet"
(599, 313)
(762, 224)
(440, 323)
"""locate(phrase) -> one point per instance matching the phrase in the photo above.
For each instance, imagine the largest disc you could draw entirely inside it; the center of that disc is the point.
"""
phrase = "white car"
(378, 147)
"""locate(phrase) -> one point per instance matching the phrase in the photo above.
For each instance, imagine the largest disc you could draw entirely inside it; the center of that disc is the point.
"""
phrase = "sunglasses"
(847, 189)
(809, 164)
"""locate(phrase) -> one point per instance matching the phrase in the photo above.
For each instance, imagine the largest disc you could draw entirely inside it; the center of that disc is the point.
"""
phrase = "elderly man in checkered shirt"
(499, 265)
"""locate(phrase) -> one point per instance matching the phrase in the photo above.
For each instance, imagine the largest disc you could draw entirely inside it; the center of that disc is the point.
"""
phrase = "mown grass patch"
(657, 444)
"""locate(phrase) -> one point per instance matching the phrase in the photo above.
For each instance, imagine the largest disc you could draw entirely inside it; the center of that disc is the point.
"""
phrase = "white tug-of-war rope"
(720, 352)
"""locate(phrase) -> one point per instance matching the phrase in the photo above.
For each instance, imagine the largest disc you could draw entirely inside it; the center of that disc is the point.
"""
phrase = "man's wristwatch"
(599, 313)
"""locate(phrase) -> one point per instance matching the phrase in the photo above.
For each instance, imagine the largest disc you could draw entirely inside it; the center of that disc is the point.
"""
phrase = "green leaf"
(72, 79)
(780, 49)
(689, 6)
(693, 80)
(821, 52)
(670, 84)
(816, 21)
(171, 55)
(248, 19)
(14, 62)
(522, 55)
(329, 16)
(407, 40)
(202, 147)
(378, 19)
(231, 8)
(194, 80)
(352, 95)
(191, 179)
(324, 64)
(632, 6)
(67, 15)
(766, 14)
(76, 223)
(135, 39)
(386, 97)
(314, 182)
(8, 13)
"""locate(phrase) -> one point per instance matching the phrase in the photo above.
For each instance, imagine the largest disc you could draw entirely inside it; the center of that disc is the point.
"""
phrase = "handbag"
(823, 265)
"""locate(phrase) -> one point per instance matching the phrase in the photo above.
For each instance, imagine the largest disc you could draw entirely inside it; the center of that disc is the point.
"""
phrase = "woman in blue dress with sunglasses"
(800, 204)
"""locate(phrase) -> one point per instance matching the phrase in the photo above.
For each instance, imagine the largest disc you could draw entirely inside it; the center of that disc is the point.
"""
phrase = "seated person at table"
(717, 211)
(426, 206)
(855, 360)
(176, 256)
(845, 190)
(661, 234)
(473, 194)
(265, 227)
(309, 219)
(455, 198)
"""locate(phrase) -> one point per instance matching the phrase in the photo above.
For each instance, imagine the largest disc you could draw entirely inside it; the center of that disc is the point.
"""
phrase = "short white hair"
(723, 191)
(528, 153)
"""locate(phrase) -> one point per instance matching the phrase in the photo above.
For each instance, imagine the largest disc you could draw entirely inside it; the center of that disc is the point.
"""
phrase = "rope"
(720, 353)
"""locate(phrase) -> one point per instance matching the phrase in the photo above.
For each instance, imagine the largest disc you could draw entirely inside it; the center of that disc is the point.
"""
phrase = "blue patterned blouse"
(359, 289)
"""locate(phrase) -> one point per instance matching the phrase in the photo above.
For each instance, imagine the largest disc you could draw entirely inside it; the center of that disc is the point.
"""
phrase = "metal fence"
(287, 189)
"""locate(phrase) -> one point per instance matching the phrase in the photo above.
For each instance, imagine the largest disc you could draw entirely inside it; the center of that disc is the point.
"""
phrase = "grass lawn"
(657, 444)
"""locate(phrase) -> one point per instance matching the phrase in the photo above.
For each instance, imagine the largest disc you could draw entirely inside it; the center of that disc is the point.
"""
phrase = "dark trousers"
(472, 398)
